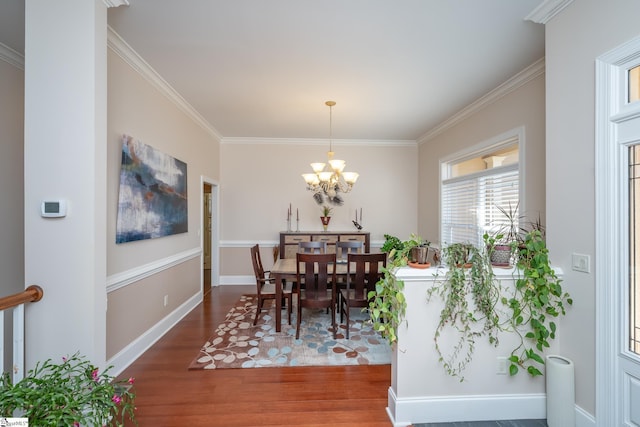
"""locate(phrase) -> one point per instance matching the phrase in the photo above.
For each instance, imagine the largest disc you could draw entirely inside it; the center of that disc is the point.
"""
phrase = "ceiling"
(264, 68)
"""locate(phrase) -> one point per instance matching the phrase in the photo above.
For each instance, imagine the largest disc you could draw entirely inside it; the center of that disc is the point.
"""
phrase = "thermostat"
(53, 208)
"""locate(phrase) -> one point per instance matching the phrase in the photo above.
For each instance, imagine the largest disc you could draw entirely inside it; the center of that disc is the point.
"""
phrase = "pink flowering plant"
(70, 393)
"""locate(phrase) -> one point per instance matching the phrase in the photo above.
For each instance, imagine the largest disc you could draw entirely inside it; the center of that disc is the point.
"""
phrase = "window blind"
(470, 203)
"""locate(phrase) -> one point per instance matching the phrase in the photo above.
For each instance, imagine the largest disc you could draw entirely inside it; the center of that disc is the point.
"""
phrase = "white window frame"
(508, 138)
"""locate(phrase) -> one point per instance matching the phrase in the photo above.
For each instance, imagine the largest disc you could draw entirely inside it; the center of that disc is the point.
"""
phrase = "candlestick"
(356, 215)
(360, 214)
(297, 215)
(297, 225)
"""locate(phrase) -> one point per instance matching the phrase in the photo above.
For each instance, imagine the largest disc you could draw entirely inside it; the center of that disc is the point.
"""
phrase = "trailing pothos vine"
(537, 301)
(470, 294)
(475, 305)
(387, 304)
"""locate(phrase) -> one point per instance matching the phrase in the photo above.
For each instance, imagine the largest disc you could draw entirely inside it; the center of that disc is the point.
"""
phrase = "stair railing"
(16, 303)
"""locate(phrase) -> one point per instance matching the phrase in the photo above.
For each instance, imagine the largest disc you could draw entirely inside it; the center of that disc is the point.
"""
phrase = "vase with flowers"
(72, 392)
(326, 216)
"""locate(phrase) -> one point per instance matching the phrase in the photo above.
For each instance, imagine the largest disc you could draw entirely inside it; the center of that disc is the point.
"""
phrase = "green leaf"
(533, 371)
(513, 369)
(536, 357)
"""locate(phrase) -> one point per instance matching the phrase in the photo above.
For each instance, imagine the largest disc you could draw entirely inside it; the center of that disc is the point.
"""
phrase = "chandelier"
(327, 184)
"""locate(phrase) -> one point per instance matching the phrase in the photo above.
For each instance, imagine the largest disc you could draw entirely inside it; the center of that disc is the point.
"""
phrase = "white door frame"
(613, 114)
(215, 230)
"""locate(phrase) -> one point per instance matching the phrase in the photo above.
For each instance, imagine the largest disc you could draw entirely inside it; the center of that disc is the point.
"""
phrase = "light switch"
(580, 262)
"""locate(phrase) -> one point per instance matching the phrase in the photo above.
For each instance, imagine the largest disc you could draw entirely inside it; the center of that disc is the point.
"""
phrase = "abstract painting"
(153, 193)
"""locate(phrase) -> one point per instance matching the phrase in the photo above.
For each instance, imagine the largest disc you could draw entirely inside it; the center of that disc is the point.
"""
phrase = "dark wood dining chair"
(266, 286)
(363, 272)
(343, 249)
(348, 247)
(313, 247)
(317, 273)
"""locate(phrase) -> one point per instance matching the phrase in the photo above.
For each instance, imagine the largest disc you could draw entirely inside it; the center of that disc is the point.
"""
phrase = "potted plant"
(326, 216)
(502, 242)
(70, 393)
(458, 254)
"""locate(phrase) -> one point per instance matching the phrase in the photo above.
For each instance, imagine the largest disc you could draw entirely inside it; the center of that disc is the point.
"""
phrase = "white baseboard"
(584, 419)
(404, 412)
(237, 280)
(136, 348)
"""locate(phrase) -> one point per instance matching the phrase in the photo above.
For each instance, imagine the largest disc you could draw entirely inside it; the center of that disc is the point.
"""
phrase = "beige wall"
(147, 296)
(260, 179)
(11, 188)
(583, 31)
(523, 107)
(11, 182)
(139, 109)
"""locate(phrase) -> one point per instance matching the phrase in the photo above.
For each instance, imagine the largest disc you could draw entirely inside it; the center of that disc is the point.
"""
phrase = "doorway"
(206, 237)
(209, 235)
(617, 238)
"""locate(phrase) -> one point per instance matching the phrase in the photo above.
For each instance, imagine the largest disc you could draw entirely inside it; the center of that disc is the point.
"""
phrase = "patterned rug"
(236, 343)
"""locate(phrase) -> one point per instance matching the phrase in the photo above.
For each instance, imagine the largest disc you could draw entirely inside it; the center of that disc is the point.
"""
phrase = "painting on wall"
(152, 201)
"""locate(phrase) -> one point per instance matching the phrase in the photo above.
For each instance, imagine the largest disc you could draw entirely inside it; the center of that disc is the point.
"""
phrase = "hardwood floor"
(170, 395)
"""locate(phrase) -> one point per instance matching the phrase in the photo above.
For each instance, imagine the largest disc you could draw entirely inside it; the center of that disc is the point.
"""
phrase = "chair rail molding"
(125, 278)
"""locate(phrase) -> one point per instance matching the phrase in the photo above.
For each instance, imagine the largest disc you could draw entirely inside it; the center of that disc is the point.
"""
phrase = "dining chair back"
(318, 275)
(266, 286)
(313, 247)
(348, 247)
(363, 272)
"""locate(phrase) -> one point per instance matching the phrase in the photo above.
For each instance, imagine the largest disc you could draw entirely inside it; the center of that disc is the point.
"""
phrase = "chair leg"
(333, 320)
(298, 321)
(258, 310)
(290, 308)
(346, 312)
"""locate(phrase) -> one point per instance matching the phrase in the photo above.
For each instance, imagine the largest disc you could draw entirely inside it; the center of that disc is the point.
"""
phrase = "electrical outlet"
(166, 300)
(501, 366)
(580, 262)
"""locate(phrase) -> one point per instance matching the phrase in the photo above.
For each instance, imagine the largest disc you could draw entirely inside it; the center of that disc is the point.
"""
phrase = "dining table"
(284, 269)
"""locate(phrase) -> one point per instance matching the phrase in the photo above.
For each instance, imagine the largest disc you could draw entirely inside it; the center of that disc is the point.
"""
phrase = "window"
(474, 185)
(634, 84)
(634, 248)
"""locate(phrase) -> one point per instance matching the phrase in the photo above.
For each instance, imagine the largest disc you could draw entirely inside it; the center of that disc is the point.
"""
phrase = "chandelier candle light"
(329, 183)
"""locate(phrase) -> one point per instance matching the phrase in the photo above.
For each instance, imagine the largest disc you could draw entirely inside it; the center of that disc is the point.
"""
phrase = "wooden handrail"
(33, 293)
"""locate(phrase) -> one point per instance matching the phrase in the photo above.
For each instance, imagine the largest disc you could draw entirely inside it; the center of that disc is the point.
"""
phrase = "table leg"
(278, 280)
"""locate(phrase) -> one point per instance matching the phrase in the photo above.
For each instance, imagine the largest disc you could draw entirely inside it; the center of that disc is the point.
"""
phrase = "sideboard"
(289, 240)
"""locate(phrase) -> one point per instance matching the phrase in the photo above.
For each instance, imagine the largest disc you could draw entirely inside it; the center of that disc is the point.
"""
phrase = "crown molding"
(11, 56)
(547, 10)
(318, 141)
(523, 77)
(135, 61)
(116, 3)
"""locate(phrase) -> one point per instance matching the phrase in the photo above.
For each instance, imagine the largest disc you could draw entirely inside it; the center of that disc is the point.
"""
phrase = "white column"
(65, 158)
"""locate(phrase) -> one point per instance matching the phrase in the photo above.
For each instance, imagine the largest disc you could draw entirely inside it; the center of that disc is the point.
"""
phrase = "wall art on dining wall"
(152, 201)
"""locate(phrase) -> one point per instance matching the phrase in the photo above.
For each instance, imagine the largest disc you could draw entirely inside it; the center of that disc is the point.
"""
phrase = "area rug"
(236, 343)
